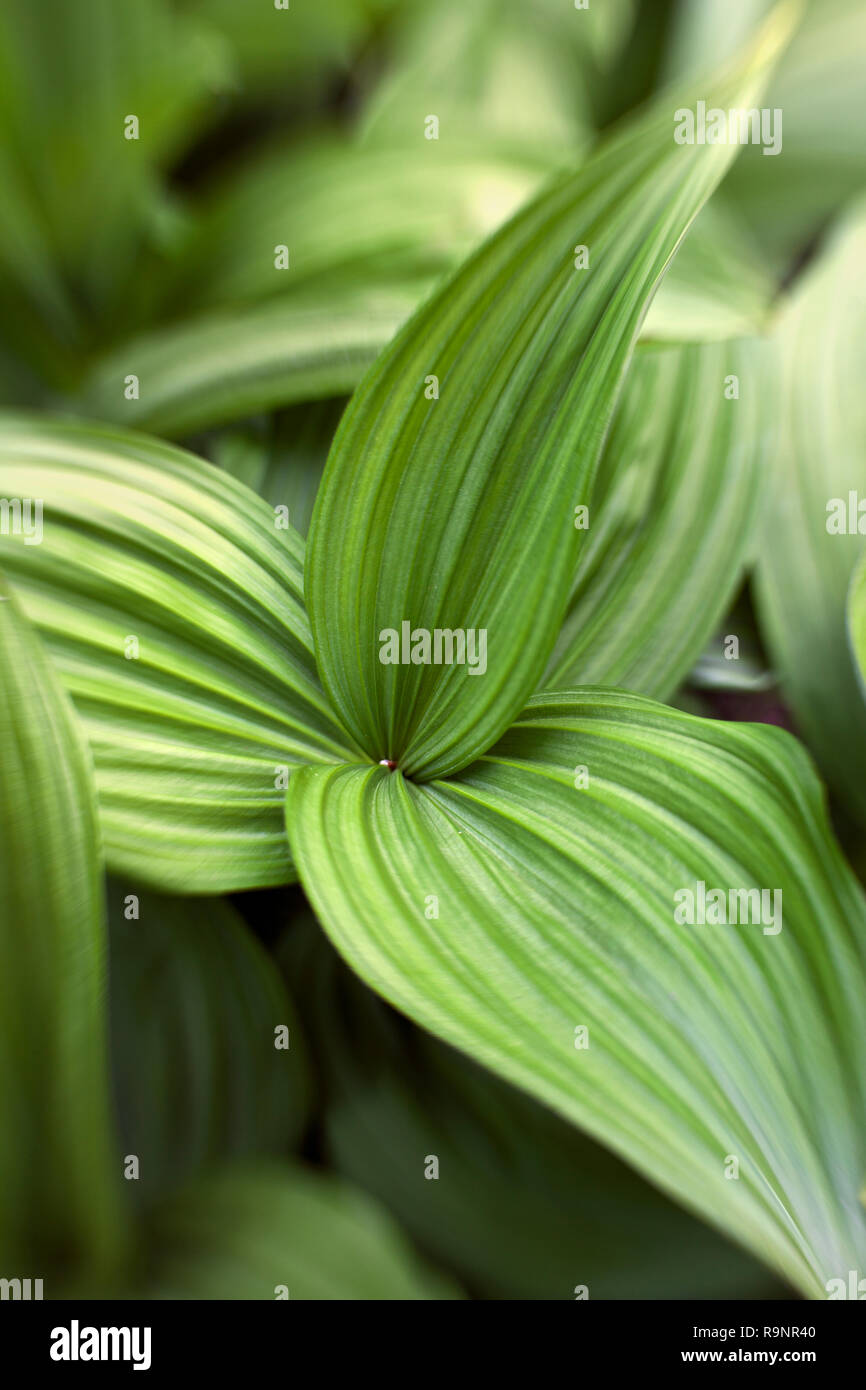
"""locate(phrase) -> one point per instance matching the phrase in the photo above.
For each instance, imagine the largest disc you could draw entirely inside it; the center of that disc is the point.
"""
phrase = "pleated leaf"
(526, 911)
(275, 1231)
(672, 517)
(449, 498)
(59, 1196)
(814, 529)
(523, 1205)
(208, 1058)
(172, 607)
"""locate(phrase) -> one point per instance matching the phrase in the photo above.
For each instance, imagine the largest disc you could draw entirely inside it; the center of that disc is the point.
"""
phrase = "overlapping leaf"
(857, 619)
(274, 1232)
(814, 531)
(60, 1181)
(448, 501)
(534, 896)
(172, 607)
(202, 1069)
(522, 1204)
(672, 517)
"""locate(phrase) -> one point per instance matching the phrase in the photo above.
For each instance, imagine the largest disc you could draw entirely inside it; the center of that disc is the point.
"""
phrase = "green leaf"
(81, 202)
(173, 609)
(59, 1197)
(219, 367)
(524, 1206)
(491, 77)
(813, 534)
(195, 1007)
(857, 619)
(535, 895)
(672, 517)
(818, 88)
(269, 1231)
(457, 512)
(350, 217)
(282, 457)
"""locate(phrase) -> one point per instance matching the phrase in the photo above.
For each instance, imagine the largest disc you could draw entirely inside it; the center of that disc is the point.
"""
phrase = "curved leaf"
(523, 1205)
(172, 607)
(814, 529)
(456, 511)
(273, 1231)
(672, 518)
(218, 367)
(59, 1196)
(195, 1005)
(536, 894)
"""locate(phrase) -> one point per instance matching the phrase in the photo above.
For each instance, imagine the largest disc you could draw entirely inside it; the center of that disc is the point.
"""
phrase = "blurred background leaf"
(272, 1231)
(804, 567)
(195, 1006)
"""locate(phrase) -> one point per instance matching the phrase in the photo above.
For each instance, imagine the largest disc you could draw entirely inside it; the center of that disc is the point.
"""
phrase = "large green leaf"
(536, 894)
(457, 512)
(672, 517)
(269, 1231)
(196, 1005)
(194, 729)
(59, 1194)
(522, 1205)
(814, 530)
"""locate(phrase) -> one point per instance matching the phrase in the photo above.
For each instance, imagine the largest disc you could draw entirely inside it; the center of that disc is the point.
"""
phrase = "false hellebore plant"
(500, 856)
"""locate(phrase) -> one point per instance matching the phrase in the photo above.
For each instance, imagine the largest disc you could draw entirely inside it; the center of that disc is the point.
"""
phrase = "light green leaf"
(524, 1206)
(172, 607)
(350, 217)
(672, 517)
(269, 1231)
(215, 368)
(857, 620)
(818, 89)
(457, 511)
(59, 1196)
(535, 895)
(493, 75)
(195, 1008)
(814, 527)
(717, 286)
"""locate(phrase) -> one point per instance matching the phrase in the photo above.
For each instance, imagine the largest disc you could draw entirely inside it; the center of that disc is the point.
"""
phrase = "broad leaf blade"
(672, 517)
(59, 1198)
(556, 909)
(814, 530)
(457, 513)
(269, 1231)
(523, 1205)
(195, 727)
(196, 1005)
